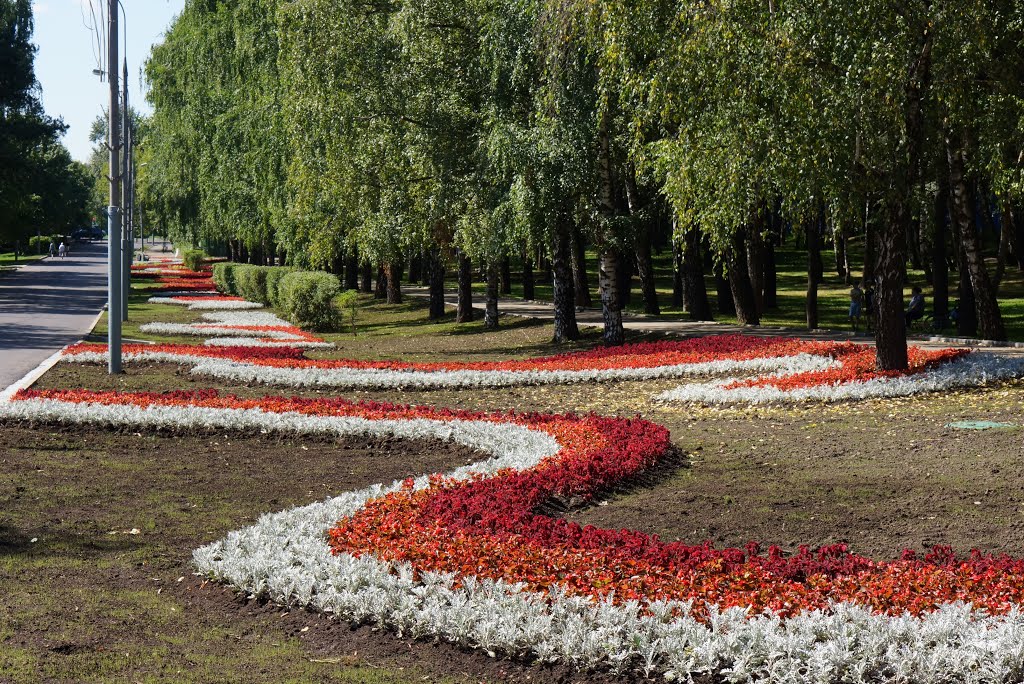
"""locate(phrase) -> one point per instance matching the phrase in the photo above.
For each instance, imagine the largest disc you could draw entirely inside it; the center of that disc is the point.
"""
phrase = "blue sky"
(67, 56)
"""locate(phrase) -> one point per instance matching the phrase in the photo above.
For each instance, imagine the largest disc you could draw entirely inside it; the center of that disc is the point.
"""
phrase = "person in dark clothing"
(915, 310)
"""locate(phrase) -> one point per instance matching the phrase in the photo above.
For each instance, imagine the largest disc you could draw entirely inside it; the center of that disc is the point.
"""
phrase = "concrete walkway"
(48, 304)
(592, 317)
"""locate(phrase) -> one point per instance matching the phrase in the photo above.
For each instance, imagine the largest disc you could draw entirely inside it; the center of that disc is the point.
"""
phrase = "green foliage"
(274, 276)
(224, 277)
(251, 282)
(215, 155)
(40, 185)
(194, 259)
(307, 298)
(348, 302)
(41, 243)
(259, 283)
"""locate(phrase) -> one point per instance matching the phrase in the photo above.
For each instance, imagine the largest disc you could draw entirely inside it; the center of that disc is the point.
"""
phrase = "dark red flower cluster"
(858, 365)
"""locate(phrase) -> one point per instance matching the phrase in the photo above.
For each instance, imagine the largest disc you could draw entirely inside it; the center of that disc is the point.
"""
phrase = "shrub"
(307, 298)
(224, 276)
(41, 243)
(251, 283)
(348, 302)
(274, 276)
(194, 259)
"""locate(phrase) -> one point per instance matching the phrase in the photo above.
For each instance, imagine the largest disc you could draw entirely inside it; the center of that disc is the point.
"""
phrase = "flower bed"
(856, 379)
(786, 369)
(238, 329)
(208, 302)
(699, 356)
(468, 557)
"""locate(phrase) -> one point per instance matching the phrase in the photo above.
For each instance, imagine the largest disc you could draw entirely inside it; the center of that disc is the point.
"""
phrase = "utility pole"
(126, 183)
(114, 242)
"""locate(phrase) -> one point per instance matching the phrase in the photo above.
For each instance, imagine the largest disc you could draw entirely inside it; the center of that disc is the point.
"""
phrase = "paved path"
(592, 317)
(48, 304)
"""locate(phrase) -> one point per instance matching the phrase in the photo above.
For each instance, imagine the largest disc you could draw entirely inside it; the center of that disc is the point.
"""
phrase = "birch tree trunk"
(393, 278)
(352, 270)
(366, 277)
(990, 322)
(679, 297)
(940, 267)
(581, 284)
(505, 276)
(755, 264)
(890, 323)
(491, 308)
(464, 311)
(813, 259)
(434, 271)
(693, 274)
(562, 282)
(528, 282)
(608, 272)
(611, 309)
(381, 289)
(739, 283)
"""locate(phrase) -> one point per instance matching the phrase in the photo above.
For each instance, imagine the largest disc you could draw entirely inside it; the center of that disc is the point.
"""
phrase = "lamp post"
(114, 241)
(142, 230)
(128, 243)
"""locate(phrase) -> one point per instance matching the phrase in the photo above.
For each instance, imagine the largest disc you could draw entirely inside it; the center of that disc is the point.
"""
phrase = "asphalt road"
(48, 304)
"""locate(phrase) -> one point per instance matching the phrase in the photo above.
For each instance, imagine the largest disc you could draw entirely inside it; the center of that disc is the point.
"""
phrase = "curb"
(973, 342)
(29, 378)
(49, 362)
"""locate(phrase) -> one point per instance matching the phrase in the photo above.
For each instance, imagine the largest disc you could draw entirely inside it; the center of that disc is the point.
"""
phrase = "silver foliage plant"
(977, 368)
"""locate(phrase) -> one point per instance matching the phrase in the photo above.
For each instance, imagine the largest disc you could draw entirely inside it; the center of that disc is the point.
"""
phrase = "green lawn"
(7, 258)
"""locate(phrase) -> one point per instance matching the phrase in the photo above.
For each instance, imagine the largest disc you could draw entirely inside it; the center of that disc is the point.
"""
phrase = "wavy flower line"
(286, 557)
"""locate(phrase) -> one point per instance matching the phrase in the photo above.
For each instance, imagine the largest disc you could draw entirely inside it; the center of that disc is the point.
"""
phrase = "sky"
(67, 56)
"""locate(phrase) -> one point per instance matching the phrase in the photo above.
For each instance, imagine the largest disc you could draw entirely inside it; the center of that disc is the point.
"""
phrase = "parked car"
(88, 233)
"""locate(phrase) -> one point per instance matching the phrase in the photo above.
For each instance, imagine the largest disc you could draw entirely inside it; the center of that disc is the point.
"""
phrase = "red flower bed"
(173, 285)
(233, 353)
(858, 365)
(179, 273)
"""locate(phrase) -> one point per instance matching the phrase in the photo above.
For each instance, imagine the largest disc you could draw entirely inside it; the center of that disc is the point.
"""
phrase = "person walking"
(62, 250)
(53, 249)
(856, 303)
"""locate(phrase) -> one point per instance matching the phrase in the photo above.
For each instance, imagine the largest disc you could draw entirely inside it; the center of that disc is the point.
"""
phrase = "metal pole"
(114, 210)
(126, 227)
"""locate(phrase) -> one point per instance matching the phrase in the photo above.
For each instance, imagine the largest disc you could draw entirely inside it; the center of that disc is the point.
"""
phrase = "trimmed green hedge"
(251, 283)
(40, 244)
(274, 276)
(307, 297)
(224, 276)
(194, 259)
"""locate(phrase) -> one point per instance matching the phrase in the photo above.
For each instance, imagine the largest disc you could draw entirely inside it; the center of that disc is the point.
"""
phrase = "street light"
(142, 230)
(114, 240)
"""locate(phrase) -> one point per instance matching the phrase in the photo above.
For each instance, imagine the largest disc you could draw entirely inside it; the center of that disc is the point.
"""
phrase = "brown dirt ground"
(96, 533)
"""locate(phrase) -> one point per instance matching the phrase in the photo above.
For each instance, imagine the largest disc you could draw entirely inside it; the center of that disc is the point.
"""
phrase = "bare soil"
(96, 534)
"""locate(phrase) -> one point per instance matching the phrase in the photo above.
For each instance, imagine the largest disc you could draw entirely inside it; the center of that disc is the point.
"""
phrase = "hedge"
(194, 259)
(251, 283)
(307, 298)
(274, 276)
(224, 276)
(40, 244)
